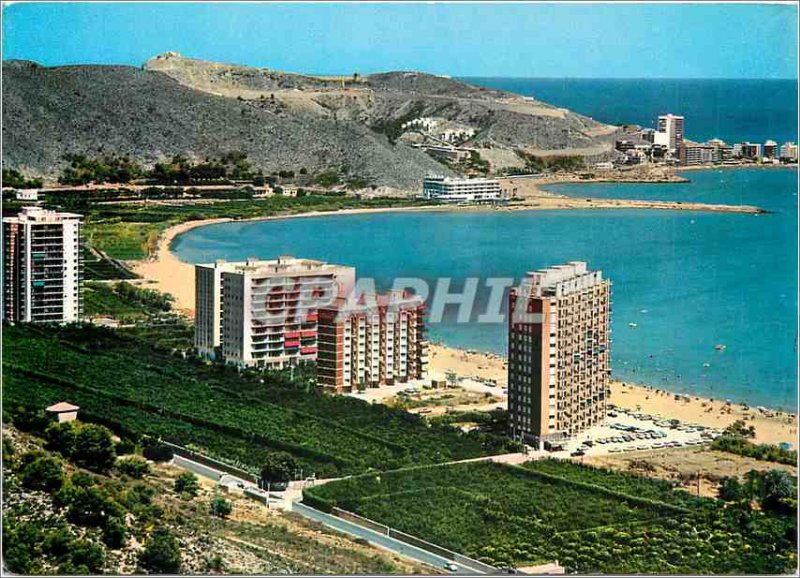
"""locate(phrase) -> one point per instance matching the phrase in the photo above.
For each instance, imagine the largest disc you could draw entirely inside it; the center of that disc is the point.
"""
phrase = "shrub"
(133, 467)
(221, 507)
(45, 474)
(187, 484)
(161, 554)
(115, 533)
(157, 452)
(88, 446)
(125, 447)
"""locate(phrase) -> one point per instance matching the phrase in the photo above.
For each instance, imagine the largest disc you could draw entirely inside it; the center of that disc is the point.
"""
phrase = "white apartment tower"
(558, 352)
(42, 266)
(670, 132)
(264, 313)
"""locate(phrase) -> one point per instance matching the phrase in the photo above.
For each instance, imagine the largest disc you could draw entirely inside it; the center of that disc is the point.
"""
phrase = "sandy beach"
(692, 409)
(165, 272)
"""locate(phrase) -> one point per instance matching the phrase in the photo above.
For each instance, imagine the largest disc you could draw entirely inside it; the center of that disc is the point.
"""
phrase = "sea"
(735, 110)
(684, 282)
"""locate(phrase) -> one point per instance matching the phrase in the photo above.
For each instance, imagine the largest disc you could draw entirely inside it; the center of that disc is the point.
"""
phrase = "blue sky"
(533, 40)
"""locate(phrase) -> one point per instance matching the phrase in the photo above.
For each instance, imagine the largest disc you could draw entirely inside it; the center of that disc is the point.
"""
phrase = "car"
(578, 453)
(451, 567)
(588, 443)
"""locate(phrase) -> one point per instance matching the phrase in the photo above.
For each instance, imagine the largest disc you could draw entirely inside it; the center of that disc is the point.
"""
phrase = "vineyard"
(590, 520)
(136, 389)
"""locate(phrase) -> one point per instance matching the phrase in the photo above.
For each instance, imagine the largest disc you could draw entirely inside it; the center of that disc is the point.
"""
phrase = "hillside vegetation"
(135, 517)
(239, 418)
(590, 520)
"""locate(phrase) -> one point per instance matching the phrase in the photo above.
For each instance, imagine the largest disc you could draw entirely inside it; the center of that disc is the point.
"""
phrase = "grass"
(126, 241)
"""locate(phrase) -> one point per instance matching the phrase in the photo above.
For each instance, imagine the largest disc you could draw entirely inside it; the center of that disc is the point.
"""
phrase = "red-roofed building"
(64, 410)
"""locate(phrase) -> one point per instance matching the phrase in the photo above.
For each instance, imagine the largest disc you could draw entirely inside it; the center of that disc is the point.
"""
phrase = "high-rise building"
(378, 340)
(670, 132)
(558, 352)
(264, 313)
(771, 149)
(42, 266)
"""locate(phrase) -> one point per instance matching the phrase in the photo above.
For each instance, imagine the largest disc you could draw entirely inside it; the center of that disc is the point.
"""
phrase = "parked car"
(451, 567)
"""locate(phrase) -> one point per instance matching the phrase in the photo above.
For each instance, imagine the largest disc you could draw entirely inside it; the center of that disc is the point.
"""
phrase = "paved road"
(378, 539)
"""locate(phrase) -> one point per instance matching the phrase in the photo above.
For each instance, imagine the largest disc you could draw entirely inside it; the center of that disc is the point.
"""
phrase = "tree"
(94, 448)
(45, 474)
(279, 468)
(730, 490)
(452, 378)
(776, 491)
(187, 484)
(161, 554)
(221, 507)
(88, 446)
(91, 507)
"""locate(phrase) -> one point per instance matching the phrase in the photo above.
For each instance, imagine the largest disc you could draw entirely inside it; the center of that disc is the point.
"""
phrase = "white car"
(451, 567)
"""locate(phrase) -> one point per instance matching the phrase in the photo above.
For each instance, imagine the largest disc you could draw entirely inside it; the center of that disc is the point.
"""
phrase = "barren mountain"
(281, 120)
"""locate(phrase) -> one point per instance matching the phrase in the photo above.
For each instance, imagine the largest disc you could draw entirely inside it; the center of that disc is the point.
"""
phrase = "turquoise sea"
(688, 280)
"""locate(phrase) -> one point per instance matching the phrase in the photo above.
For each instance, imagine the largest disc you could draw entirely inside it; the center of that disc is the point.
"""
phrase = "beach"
(781, 427)
(165, 272)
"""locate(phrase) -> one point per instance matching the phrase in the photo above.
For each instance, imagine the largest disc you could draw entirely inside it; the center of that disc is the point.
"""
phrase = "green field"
(139, 389)
(130, 231)
(588, 520)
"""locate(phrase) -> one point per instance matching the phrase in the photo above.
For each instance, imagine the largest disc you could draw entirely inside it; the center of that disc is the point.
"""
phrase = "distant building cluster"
(42, 266)
(667, 144)
(440, 129)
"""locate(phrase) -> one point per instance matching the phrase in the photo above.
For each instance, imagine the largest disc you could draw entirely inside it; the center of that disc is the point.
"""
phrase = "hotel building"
(42, 266)
(378, 341)
(558, 353)
(455, 190)
(264, 313)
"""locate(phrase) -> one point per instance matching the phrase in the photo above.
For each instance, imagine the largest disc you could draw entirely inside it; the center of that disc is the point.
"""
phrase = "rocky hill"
(282, 121)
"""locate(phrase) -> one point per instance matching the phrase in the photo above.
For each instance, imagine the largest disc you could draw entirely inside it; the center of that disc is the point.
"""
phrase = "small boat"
(632, 325)
(706, 365)
(719, 347)
(643, 311)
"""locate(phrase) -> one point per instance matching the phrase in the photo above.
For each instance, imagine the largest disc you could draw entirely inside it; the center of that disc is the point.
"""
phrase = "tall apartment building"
(558, 352)
(264, 313)
(670, 131)
(378, 341)
(455, 190)
(42, 266)
(771, 150)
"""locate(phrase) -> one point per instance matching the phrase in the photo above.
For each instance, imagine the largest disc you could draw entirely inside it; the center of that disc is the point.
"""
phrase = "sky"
(465, 39)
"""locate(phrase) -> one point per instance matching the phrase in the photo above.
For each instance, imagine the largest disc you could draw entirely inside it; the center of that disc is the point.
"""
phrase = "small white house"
(28, 195)
(64, 410)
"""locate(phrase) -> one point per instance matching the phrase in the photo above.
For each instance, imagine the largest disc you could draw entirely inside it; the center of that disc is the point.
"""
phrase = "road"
(378, 539)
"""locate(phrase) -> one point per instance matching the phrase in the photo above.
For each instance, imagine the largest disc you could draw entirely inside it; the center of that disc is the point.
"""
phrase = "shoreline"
(167, 273)
(171, 275)
(781, 427)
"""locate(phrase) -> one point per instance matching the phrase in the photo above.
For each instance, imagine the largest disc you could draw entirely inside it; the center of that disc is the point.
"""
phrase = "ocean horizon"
(735, 110)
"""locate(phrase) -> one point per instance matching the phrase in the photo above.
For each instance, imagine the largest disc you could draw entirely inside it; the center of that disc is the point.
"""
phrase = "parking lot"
(628, 431)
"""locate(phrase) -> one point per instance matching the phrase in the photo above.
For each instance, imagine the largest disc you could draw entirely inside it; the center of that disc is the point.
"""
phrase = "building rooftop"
(283, 264)
(458, 180)
(62, 407)
(560, 279)
(40, 215)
